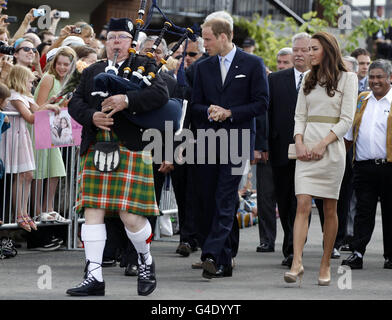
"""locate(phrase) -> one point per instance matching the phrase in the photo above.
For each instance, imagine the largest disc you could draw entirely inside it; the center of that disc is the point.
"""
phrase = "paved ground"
(257, 276)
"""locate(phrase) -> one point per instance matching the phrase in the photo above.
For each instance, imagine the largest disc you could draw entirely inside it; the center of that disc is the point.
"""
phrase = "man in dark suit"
(284, 86)
(94, 113)
(230, 90)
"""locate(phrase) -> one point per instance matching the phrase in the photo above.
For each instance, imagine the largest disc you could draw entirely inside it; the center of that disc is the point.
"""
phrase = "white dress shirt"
(372, 135)
(110, 63)
(228, 58)
(297, 75)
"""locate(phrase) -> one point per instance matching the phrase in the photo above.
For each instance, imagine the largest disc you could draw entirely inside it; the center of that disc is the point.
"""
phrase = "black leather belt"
(373, 161)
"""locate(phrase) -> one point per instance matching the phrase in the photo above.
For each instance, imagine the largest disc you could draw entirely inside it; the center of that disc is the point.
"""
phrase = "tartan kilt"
(130, 188)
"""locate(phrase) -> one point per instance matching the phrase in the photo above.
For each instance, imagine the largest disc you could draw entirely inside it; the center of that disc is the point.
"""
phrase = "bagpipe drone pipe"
(109, 83)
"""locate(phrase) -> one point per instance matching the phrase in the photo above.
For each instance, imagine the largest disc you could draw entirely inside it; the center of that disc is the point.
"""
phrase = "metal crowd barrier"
(66, 192)
(64, 197)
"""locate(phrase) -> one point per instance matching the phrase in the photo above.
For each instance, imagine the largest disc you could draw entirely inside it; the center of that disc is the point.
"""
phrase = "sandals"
(31, 222)
(46, 217)
(52, 216)
(22, 223)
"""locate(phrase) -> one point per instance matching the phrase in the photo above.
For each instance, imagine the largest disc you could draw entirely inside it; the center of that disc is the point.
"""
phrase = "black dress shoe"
(345, 247)
(146, 281)
(221, 272)
(184, 249)
(288, 261)
(89, 287)
(209, 265)
(353, 261)
(109, 263)
(131, 270)
(388, 264)
(335, 254)
(264, 247)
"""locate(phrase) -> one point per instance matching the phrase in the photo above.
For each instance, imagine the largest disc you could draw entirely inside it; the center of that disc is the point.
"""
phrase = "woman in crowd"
(27, 55)
(51, 165)
(6, 62)
(324, 113)
(17, 148)
(86, 32)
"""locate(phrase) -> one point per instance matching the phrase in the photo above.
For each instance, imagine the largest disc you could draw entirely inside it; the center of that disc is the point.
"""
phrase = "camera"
(5, 49)
(76, 30)
(11, 19)
(38, 12)
(61, 14)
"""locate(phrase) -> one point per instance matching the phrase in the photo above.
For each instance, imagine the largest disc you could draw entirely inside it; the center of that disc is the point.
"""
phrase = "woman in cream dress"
(324, 113)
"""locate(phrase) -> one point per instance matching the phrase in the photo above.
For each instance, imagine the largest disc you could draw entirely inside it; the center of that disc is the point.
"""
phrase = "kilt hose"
(130, 188)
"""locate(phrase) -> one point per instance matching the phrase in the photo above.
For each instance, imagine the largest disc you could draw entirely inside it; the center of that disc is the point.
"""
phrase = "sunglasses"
(27, 49)
(192, 54)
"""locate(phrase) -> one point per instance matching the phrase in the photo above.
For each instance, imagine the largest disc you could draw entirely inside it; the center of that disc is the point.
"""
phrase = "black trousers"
(217, 193)
(287, 202)
(118, 246)
(372, 182)
(266, 204)
(343, 204)
(183, 188)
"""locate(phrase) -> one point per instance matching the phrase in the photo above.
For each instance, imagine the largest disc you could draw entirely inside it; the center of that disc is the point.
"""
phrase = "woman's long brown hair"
(327, 73)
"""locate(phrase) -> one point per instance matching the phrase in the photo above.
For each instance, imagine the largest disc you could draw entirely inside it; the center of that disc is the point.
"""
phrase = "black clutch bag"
(107, 155)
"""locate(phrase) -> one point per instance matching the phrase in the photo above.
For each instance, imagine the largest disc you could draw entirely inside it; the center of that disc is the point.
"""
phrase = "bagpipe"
(109, 83)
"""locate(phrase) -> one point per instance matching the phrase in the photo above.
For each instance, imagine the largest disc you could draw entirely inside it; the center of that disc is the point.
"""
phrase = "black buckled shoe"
(131, 270)
(264, 247)
(209, 268)
(388, 264)
(89, 286)
(353, 261)
(146, 281)
(184, 249)
(221, 272)
(288, 261)
(108, 263)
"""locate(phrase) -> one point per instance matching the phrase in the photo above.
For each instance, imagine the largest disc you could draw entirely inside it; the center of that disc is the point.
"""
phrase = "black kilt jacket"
(82, 106)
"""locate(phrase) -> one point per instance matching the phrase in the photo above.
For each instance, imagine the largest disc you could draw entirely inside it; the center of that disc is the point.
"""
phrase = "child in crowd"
(51, 164)
(4, 121)
(17, 149)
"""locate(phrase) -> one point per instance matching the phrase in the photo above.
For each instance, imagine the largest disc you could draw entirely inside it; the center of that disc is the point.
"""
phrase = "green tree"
(272, 36)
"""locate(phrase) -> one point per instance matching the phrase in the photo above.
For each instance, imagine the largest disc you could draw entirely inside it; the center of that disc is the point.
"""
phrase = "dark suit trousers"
(266, 204)
(181, 184)
(343, 204)
(372, 182)
(118, 243)
(287, 202)
(217, 193)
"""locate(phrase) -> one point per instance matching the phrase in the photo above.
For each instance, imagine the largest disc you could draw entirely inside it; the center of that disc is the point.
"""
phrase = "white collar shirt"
(228, 58)
(371, 142)
(110, 62)
(297, 75)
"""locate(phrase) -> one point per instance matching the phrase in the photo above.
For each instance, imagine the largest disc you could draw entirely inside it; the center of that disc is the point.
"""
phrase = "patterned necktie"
(223, 70)
(300, 81)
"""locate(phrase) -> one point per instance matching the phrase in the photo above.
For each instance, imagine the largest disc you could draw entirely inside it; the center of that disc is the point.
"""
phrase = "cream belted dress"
(317, 114)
